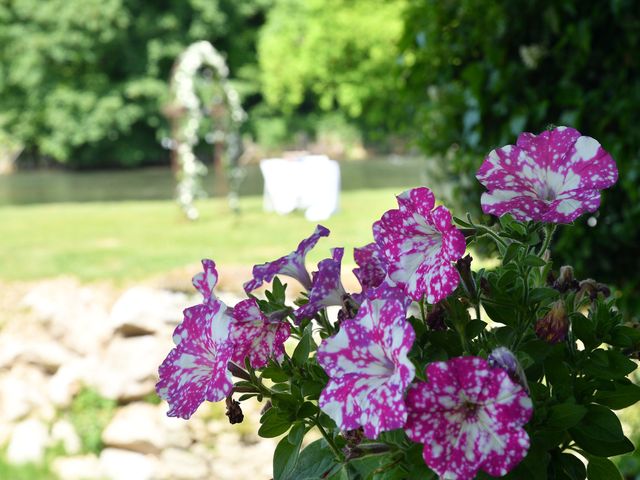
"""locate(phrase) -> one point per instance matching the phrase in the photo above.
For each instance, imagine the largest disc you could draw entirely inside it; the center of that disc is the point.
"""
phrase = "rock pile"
(66, 337)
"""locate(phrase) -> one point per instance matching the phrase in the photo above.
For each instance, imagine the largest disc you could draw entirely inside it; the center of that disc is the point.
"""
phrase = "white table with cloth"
(309, 182)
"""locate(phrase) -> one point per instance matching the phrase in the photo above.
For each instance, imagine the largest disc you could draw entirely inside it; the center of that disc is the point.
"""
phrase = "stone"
(28, 442)
(116, 464)
(22, 393)
(180, 464)
(144, 428)
(74, 315)
(46, 354)
(144, 310)
(84, 467)
(128, 370)
(63, 432)
(65, 384)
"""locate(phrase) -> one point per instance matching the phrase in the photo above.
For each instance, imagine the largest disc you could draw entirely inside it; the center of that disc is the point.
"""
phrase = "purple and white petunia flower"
(469, 416)
(327, 289)
(291, 265)
(368, 369)
(420, 244)
(553, 177)
(372, 266)
(196, 369)
(256, 336)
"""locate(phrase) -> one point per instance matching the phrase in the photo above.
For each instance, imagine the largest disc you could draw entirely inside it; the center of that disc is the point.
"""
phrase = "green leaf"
(307, 409)
(584, 329)
(511, 252)
(286, 453)
(499, 313)
(558, 376)
(473, 328)
(572, 466)
(602, 469)
(301, 353)
(275, 373)
(624, 395)
(608, 364)
(564, 416)
(274, 423)
(312, 389)
(540, 294)
(625, 337)
(533, 261)
(315, 461)
(599, 433)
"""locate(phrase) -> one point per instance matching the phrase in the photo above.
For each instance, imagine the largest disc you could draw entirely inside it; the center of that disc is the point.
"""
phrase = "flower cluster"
(428, 357)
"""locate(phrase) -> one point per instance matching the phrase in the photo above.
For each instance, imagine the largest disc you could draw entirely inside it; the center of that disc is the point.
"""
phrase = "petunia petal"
(292, 265)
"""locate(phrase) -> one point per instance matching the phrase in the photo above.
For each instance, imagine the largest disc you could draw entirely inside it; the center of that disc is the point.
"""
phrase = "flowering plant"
(432, 369)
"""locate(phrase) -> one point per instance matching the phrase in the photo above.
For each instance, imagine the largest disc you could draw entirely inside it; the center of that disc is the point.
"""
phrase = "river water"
(53, 186)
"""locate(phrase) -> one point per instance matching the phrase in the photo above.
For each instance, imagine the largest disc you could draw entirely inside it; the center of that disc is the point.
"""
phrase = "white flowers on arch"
(186, 112)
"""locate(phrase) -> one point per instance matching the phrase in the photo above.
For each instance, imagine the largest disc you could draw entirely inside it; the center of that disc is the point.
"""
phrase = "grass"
(128, 241)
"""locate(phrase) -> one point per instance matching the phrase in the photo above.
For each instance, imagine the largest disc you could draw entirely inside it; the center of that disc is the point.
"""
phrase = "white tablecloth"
(310, 183)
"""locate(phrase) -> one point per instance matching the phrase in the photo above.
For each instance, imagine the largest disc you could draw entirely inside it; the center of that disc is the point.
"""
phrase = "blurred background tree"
(477, 73)
(83, 81)
(334, 56)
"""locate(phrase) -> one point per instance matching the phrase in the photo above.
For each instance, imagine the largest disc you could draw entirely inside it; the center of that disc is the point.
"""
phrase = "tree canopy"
(83, 81)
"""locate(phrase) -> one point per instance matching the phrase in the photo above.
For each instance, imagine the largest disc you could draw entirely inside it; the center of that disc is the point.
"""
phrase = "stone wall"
(59, 338)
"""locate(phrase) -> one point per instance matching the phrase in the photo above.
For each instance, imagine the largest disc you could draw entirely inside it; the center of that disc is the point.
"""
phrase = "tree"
(478, 73)
(83, 81)
(332, 54)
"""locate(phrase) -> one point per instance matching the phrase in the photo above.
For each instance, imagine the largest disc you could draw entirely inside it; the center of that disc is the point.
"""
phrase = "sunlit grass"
(124, 241)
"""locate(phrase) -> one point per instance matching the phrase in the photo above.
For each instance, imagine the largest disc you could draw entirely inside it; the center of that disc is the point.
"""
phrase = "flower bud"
(592, 288)
(234, 412)
(435, 318)
(554, 326)
(566, 280)
(503, 358)
(463, 266)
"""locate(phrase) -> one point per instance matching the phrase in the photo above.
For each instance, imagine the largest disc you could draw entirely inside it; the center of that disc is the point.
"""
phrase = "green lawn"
(128, 241)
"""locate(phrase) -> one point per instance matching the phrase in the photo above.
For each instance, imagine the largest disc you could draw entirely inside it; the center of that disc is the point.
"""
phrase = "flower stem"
(329, 440)
(548, 235)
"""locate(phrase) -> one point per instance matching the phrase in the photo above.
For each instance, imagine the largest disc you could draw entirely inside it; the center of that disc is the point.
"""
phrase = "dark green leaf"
(584, 329)
(564, 416)
(624, 395)
(572, 466)
(315, 460)
(511, 252)
(602, 469)
(312, 389)
(558, 376)
(307, 409)
(274, 423)
(275, 373)
(286, 453)
(533, 261)
(599, 433)
(500, 313)
(608, 364)
(540, 294)
(625, 337)
(301, 353)
(473, 328)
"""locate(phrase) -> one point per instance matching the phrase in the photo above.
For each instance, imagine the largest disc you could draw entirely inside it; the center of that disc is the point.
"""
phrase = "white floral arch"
(186, 112)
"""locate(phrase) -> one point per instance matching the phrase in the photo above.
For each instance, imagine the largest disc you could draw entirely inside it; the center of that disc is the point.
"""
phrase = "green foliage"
(478, 73)
(331, 55)
(90, 413)
(27, 471)
(83, 81)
